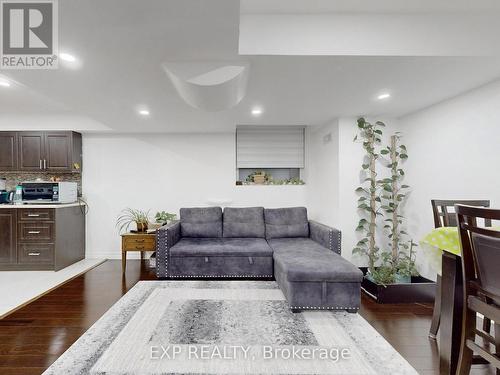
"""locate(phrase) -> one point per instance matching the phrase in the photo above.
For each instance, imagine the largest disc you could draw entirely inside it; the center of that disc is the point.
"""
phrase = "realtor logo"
(29, 34)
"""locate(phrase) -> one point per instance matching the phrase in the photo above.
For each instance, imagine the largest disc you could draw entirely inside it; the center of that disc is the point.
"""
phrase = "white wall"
(322, 173)
(164, 172)
(453, 153)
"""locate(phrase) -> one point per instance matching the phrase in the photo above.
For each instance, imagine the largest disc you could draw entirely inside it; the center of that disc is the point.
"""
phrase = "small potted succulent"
(259, 178)
(128, 216)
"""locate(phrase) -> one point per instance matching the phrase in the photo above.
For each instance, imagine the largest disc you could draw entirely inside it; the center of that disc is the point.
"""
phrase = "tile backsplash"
(13, 178)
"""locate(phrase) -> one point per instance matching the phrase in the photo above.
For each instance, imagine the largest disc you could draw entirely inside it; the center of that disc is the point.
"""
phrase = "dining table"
(441, 248)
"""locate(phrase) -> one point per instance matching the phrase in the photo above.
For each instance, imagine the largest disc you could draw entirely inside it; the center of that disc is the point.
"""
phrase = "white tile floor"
(20, 287)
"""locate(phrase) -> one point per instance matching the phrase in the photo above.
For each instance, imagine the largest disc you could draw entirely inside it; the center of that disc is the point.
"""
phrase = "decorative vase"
(259, 179)
(142, 227)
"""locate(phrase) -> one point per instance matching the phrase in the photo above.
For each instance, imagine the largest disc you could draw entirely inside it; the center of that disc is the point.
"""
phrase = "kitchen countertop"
(47, 205)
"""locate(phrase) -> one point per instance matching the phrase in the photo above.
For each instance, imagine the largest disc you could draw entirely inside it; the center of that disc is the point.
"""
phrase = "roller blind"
(270, 147)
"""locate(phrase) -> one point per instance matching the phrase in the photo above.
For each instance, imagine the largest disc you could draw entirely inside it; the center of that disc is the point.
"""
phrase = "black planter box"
(419, 290)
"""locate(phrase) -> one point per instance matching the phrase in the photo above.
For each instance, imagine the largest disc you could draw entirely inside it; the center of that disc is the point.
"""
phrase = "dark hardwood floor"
(34, 336)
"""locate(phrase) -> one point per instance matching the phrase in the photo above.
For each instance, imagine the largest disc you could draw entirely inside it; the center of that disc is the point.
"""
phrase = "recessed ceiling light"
(4, 83)
(383, 96)
(144, 112)
(257, 111)
(67, 57)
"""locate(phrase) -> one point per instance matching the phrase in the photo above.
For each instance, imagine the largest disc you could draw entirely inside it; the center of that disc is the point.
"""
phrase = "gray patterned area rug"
(225, 327)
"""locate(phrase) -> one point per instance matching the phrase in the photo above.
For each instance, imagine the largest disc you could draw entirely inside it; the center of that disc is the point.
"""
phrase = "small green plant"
(128, 216)
(277, 182)
(383, 275)
(294, 181)
(405, 265)
(163, 217)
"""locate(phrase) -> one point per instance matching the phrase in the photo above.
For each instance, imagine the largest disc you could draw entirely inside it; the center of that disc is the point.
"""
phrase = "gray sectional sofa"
(302, 255)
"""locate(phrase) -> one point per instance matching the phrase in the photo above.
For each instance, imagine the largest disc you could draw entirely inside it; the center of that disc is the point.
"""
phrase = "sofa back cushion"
(286, 222)
(244, 222)
(201, 222)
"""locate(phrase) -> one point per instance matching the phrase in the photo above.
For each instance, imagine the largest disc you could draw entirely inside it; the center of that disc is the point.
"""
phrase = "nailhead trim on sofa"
(162, 238)
(323, 308)
(339, 242)
(221, 276)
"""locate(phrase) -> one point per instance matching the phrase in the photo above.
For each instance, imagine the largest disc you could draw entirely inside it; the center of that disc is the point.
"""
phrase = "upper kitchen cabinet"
(52, 151)
(31, 151)
(8, 151)
(63, 151)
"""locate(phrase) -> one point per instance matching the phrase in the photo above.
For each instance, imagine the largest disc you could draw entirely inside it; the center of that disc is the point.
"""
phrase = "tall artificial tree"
(394, 193)
(369, 200)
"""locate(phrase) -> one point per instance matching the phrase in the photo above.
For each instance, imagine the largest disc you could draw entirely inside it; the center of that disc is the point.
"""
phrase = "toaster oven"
(49, 192)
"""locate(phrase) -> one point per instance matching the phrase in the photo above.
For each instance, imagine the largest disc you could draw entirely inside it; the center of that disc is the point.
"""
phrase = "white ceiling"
(364, 6)
(123, 43)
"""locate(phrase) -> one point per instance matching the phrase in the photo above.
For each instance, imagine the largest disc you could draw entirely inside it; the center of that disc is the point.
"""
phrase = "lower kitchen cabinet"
(41, 238)
(8, 236)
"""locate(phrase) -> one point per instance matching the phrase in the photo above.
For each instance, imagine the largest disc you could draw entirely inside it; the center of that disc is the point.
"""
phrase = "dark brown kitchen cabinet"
(8, 236)
(58, 151)
(41, 238)
(8, 151)
(50, 151)
(31, 151)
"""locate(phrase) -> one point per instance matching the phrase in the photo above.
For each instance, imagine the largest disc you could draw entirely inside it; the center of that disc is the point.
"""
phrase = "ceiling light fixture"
(384, 96)
(144, 112)
(67, 57)
(257, 111)
(4, 83)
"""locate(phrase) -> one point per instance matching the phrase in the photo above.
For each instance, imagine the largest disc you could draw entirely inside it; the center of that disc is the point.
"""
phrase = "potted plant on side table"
(129, 216)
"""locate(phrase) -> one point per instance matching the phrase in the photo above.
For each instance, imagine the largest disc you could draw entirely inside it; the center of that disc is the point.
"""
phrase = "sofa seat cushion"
(302, 259)
(286, 222)
(210, 247)
(201, 222)
(244, 222)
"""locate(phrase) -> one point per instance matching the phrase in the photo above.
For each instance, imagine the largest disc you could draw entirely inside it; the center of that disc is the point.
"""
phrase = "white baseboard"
(115, 255)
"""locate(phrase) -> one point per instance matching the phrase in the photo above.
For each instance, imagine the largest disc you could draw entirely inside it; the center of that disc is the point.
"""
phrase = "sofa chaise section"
(313, 277)
(207, 244)
(307, 262)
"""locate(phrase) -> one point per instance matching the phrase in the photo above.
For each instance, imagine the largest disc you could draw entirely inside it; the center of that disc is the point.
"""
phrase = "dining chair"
(444, 216)
(480, 248)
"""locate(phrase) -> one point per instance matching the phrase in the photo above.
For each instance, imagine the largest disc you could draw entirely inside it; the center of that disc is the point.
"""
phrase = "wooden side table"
(137, 242)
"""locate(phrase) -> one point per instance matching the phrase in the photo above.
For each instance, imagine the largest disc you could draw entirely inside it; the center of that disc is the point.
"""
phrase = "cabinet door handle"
(33, 215)
(44, 164)
(34, 232)
(33, 254)
(41, 164)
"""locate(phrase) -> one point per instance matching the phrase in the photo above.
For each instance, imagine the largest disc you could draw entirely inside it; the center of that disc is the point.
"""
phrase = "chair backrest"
(444, 214)
(480, 249)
